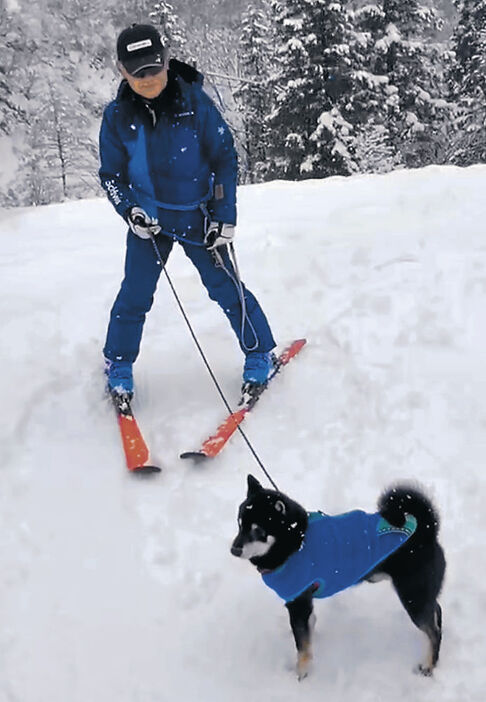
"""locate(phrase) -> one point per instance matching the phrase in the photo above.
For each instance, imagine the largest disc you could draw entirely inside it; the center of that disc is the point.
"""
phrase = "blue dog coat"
(337, 552)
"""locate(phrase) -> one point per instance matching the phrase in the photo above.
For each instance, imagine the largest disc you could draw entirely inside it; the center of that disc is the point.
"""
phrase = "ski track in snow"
(119, 588)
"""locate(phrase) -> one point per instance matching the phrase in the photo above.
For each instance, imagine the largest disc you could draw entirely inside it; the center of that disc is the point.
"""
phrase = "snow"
(370, 79)
(114, 588)
(392, 35)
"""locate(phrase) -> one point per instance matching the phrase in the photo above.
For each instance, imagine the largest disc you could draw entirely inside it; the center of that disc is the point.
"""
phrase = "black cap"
(140, 46)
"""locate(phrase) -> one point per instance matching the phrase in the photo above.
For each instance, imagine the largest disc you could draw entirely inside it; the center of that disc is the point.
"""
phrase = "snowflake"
(221, 130)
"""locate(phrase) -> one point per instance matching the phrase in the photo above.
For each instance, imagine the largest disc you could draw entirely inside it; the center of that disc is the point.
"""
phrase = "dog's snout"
(236, 550)
(237, 545)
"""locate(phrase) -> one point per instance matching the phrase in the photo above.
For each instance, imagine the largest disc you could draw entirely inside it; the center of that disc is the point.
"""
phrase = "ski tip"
(298, 344)
(197, 456)
(144, 470)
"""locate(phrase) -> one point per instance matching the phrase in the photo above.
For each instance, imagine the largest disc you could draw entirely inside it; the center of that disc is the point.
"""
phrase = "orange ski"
(136, 452)
(212, 446)
(217, 441)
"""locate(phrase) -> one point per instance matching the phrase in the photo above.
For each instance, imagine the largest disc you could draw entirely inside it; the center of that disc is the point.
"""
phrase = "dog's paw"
(425, 670)
(303, 665)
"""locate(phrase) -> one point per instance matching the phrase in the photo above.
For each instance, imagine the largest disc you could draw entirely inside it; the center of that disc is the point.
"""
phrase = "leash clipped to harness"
(205, 360)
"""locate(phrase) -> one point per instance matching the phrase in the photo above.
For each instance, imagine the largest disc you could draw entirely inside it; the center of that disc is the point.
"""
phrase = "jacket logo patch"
(113, 191)
(184, 114)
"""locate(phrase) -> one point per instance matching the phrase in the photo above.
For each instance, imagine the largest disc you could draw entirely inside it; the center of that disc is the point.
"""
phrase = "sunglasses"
(146, 72)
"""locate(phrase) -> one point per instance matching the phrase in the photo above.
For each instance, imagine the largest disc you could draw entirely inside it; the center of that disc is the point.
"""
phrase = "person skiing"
(169, 167)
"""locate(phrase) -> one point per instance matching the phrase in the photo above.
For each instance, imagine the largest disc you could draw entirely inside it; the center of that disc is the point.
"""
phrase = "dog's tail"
(400, 500)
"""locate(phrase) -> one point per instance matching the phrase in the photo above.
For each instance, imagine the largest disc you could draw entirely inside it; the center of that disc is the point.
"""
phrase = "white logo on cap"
(139, 45)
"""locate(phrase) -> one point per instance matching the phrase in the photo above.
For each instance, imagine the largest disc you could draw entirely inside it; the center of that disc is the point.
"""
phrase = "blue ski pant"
(135, 298)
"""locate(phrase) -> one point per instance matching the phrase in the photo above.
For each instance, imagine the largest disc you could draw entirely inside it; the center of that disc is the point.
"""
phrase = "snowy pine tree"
(372, 101)
(310, 134)
(410, 56)
(15, 74)
(170, 25)
(252, 95)
(468, 83)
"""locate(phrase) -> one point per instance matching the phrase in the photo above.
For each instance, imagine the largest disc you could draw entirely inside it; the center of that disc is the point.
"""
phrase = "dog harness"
(337, 552)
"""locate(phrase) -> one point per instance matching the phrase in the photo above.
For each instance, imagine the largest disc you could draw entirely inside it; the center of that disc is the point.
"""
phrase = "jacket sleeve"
(220, 151)
(113, 168)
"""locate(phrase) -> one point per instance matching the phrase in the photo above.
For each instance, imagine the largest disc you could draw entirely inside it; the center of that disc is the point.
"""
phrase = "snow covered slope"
(118, 589)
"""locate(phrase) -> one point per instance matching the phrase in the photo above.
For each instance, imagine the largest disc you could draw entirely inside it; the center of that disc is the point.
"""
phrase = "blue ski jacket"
(337, 552)
(169, 155)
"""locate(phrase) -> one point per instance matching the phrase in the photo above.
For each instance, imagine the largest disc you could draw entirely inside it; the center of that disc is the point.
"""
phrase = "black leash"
(206, 362)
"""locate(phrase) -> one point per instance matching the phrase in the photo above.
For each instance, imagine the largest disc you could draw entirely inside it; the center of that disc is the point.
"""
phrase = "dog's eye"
(279, 506)
(258, 533)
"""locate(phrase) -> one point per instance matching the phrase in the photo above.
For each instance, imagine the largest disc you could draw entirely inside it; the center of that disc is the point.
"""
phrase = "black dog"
(305, 555)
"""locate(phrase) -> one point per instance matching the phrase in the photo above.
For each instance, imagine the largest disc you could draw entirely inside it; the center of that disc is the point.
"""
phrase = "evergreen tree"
(16, 53)
(409, 55)
(311, 135)
(469, 42)
(252, 94)
(373, 103)
(170, 26)
(364, 101)
(467, 81)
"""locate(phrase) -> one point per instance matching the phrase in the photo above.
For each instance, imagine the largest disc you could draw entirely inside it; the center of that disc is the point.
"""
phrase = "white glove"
(218, 234)
(142, 224)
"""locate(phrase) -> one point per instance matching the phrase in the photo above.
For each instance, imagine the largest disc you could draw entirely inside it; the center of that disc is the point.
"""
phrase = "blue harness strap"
(184, 208)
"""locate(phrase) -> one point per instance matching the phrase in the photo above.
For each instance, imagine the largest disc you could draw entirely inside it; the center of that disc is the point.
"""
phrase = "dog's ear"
(253, 485)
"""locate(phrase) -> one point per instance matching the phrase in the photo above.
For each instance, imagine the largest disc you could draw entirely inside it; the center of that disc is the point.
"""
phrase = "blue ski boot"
(119, 377)
(258, 367)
